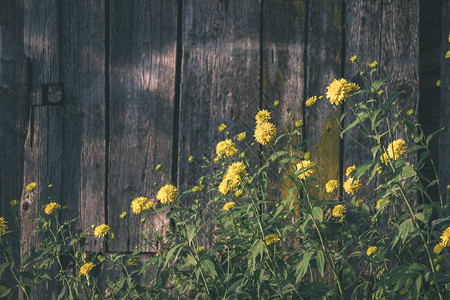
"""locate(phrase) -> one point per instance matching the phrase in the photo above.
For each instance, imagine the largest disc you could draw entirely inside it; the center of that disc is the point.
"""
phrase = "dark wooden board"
(142, 85)
(82, 49)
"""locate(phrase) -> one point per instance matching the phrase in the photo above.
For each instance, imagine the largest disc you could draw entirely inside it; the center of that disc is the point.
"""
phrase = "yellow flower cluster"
(167, 194)
(340, 90)
(31, 187)
(311, 101)
(233, 177)
(229, 205)
(371, 250)
(3, 226)
(101, 230)
(140, 204)
(331, 186)
(51, 208)
(338, 211)
(307, 167)
(84, 270)
(272, 238)
(379, 203)
(226, 148)
(265, 131)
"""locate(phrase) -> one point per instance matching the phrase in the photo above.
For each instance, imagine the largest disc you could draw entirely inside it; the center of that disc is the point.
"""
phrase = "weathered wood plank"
(82, 36)
(220, 82)
(323, 65)
(41, 38)
(444, 137)
(42, 165)
(142, 85)
(13, 119)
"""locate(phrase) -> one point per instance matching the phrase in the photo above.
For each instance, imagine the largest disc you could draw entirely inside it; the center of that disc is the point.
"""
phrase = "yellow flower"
(158, 167)
(358, 202)
(447, 55)
(276, 103)
(298, 123)
(241, 136)
(222, 127)
(338, 210)
(371, 250)
(200, 249)
(305, 164)
(272, 238)
(438, 83)
(167, 194)
(306, 156)
(229, 205)
(410, 112)
(51, 208)
(238, 193)
(123, 215)
(373, 64)
(265, 133)
(262, 116)
(353, 59)
(233, 177)
(445, 237)
(140, 204)
(3, 226)
(396, 148)
(226, 148)
(31, 187)
(384, 158)
(350, 170)
(84, 270)
(379, 203)
(190, 158)
(438, 248)
(101, 230)
(340, 90)
(198, 188)
(331, 186)
(311, 101)
(14, 203)
(352, 186)
(449, 38)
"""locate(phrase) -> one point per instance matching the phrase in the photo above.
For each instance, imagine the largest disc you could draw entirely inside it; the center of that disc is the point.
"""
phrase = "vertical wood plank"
(13, 119)
(142, 85)
(323, 65)
(82, 50)
(444, 137)
(220, 82)
(41, 38)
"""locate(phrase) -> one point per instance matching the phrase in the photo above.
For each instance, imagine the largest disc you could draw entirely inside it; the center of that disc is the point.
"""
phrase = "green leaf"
(170, 253)
(302, 267)
(378, 83)
(317, 213)
(433, 134)
(320, 259)
(209, 267)
(408, 171)
(405, 228)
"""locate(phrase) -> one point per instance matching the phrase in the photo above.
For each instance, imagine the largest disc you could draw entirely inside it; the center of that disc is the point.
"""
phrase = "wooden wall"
(95, 94)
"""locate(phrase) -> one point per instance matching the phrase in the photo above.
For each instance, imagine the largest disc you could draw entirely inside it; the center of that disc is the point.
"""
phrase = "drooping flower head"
(331, 186)
(262, 116)
(167, 194)
(226, 148)
(371, 250)
(307, 167)
(140, 204)
(265, 133)
(3, 226)
(84, 270)
(340, 90)
(338, 210)
(51, 208)
(101, 230)
(272, 238)
(352, 186)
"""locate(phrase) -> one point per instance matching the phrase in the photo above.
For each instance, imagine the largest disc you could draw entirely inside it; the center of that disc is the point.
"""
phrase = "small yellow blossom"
(167, 194)
(123, 215)
(358, 202)
(229, 205)
(438, 83)
(84, 270)
(31, 187)
(158, 167)
(380, 92)
(265, 133)
(311, 101)
(226, 148)
(51, 208)
(353, 59)
(241, 136)
(276, 103)
(198, 188)
(340, 90)
(190, 158)
(371, 250)
(45, 225)
(410, 112)
(352, 186)
(305, 164)
(3, 226)
(449, 38)
(272, 238)
(233, 177)
(298, 123)
(350, 170)
(238, 193)
(222, 127)
(396, 148)
(445, 237)
(140, 204)
(306, 156)
(331, 186)
(379, 203)
(384, 158)
(101, 230)
(373, 64)
(14, 203)
(262, 116)
(200, 249)
(438, 248)
(447, 55)
(338, 210)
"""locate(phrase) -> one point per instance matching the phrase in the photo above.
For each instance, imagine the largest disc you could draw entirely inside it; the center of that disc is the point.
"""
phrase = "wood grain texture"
(323, 65)
(13, 119)
(42, 165)
(220, 79)
(142, 84)
(41, 41)
(82, 36)
(444, 137)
